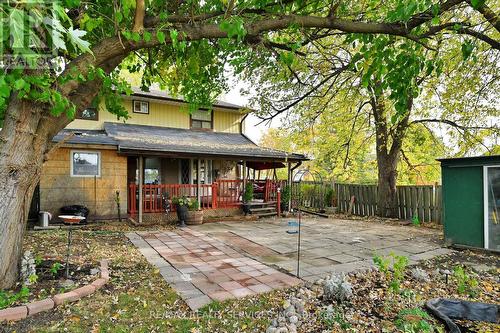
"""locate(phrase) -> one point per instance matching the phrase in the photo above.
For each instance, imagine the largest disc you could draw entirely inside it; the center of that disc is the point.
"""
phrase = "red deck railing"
(220, 194)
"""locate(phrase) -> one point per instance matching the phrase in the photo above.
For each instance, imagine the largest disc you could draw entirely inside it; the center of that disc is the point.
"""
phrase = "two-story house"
(159, 152)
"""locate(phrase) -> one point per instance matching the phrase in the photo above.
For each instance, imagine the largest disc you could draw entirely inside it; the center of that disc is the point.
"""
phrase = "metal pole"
(68, 252)
(298, 247)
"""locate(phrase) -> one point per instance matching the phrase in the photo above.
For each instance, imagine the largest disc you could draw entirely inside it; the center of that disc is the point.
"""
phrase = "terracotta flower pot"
(194, 217)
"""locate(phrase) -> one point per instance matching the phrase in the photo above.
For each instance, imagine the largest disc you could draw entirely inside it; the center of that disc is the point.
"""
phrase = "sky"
(252, 130)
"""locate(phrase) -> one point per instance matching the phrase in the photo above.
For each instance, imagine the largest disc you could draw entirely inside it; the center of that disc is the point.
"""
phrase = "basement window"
(85, 164)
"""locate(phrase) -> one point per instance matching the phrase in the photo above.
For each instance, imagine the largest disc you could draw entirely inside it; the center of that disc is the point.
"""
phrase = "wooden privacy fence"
(311, 194)
(423, 201)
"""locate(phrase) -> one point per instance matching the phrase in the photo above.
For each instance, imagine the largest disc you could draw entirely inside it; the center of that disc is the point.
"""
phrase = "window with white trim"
(85, 164)
(140, 107)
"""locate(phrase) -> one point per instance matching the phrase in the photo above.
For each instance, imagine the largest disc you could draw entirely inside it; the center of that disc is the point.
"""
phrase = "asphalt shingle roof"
(128, 137)
(177, 140)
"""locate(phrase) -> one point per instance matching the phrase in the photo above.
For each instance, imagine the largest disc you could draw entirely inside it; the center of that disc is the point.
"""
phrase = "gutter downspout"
(242, 121)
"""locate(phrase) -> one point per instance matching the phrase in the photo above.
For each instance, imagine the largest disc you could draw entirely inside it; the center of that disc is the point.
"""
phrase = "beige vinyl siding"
(228, 122)
(160, 114)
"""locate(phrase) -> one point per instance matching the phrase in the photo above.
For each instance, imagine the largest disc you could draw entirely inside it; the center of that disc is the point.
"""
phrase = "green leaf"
(476, 4)
(119, 17)
(136, 36)
(147, 36)
(16, 24)
(161, 36)
(467, 48)
(19, 84)
(77, 41)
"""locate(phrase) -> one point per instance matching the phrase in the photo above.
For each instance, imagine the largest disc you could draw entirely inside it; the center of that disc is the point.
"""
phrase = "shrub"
(395, 273)
(248, 194)
(285, 196)
(329, 197)
(465, 283)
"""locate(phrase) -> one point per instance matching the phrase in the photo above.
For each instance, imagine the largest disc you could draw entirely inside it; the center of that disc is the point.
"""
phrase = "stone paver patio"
(202, 269)
(327, 245)
(217, 261)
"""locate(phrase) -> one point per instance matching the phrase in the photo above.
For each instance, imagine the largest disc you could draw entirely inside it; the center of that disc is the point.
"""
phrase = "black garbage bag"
(76, 210)
(447, 309)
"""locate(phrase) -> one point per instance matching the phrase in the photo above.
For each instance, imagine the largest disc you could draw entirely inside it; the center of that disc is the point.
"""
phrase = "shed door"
(492, 208)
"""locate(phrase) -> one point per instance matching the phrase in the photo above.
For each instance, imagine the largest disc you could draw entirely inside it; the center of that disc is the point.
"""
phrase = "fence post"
(214, 195)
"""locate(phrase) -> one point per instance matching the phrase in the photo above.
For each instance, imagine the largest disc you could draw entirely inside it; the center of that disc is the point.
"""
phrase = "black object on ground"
(76, 210)
(448, 309)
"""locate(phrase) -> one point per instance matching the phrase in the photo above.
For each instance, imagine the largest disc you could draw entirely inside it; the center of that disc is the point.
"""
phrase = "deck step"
(263, 209)
(263, 204)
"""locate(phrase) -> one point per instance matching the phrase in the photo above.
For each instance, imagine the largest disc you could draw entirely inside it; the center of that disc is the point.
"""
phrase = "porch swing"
(264, 189)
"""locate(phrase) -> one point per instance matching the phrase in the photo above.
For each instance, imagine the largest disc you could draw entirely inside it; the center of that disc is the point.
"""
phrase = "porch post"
(290, 186)
(198, 181)
(141, 182)
(244, 175)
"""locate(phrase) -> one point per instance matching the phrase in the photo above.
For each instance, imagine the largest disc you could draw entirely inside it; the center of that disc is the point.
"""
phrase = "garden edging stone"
(20, 312)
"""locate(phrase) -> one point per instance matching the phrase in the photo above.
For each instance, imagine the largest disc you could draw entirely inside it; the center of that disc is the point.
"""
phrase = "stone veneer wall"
(58, 188)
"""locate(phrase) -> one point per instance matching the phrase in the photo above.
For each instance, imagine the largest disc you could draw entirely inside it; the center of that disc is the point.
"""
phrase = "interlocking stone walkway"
(201, 268)
(327, 245)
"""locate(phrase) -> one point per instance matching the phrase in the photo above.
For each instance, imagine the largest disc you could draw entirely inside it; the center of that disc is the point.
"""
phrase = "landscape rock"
(420, 275)
(336, 288)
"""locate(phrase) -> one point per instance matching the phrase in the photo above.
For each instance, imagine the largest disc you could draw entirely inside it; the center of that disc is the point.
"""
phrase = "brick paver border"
(20, 312)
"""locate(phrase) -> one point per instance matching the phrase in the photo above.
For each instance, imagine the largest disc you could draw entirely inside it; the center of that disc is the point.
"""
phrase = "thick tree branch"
(140, 11)
(462, 130)
(488, 14)
(455, 124)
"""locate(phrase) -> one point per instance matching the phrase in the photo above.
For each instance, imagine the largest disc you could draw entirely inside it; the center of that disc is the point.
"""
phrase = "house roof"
(94, 137)
(470, 161)
(161, 95)
(135, 139)
(185, 141)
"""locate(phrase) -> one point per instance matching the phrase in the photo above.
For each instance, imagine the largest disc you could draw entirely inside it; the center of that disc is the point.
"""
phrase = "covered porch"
(216, 184)
(212, 167)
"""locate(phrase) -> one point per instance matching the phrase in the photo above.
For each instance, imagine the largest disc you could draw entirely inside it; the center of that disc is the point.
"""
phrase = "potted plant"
(194, 214)
(285, 198)
(247, 198)
(181, 206)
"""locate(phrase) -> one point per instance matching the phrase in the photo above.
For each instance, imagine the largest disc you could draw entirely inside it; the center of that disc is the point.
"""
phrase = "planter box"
(194, 217)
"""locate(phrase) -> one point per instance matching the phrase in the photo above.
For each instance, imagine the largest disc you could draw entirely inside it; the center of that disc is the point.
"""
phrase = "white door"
(492, 207)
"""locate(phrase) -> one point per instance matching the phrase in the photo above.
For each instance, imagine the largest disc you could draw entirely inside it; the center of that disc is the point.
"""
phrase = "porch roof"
(155, 139)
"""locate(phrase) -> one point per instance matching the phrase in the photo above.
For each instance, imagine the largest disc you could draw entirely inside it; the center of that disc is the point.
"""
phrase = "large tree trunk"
(388, 147)
(387, 201)
(21, 157)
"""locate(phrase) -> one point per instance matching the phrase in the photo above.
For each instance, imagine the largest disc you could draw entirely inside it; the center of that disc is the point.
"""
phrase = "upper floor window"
(141, 107)
(85, 164)
(202, 119)
(88, 114)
